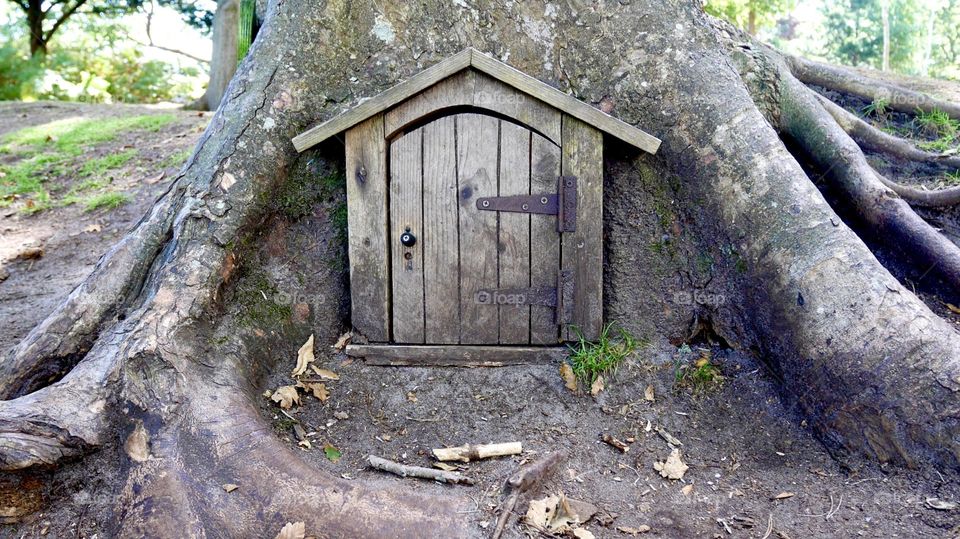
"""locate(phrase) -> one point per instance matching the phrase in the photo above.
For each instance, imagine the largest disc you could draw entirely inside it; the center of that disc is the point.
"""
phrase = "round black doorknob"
(408, 239)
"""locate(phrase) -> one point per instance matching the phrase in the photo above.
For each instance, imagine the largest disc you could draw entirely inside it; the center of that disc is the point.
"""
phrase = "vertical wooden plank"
(513, 245)
(406, 211)
(440, 239)
(544, 238)
(582, 251)
(477, 177)
(366, 170)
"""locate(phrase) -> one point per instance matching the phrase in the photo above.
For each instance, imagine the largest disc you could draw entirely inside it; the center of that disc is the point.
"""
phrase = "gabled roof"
(471, 58)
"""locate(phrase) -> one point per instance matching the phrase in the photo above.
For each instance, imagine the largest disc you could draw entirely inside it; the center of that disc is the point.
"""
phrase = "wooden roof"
(471, 58)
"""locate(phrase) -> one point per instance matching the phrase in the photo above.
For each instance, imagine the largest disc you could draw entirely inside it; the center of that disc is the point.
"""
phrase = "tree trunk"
(885, 18)
(147, 348)
(35, 16)
(223, 61)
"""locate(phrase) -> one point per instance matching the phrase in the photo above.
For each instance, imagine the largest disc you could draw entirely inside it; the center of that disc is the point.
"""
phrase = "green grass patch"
(700, 375)
(51, 150)
(879, 108)
(590, 360)
(110, 200)
(102, 165)
(937, 123)
(177, 159)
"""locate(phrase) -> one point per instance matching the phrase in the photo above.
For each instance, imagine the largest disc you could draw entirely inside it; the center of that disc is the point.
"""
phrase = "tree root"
(847, 81)
(871, 138)
(805, 120)
(64, 337)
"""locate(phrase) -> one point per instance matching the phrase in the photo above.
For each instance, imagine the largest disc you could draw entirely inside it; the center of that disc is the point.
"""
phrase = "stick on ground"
(466, 453)
(404, 470)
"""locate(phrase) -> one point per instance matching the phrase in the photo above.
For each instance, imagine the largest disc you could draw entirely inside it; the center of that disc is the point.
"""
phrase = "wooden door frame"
(367, 169)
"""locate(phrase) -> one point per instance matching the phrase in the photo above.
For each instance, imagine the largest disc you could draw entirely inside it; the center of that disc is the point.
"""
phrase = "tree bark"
(132, 350)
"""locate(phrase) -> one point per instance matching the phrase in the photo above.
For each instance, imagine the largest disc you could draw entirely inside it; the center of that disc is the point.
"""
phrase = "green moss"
(258, 299)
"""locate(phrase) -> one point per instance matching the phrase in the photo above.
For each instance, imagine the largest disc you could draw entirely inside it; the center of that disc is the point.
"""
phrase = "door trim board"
(455, 355)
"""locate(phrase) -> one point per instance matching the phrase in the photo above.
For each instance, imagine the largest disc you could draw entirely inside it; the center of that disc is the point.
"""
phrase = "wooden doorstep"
(455, 355)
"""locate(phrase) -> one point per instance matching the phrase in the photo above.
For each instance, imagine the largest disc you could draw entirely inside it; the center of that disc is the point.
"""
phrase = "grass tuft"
(110, 200)
(590, 360)
(700, 375)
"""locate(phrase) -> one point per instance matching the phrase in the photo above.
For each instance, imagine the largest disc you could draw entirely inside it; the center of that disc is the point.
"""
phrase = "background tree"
(749, 15)
(854, 33)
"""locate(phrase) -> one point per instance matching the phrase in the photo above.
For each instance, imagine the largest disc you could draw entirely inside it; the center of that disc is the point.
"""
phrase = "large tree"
(146, 349)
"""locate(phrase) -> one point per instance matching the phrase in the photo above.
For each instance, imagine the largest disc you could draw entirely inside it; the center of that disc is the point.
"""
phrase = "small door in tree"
(476, 220)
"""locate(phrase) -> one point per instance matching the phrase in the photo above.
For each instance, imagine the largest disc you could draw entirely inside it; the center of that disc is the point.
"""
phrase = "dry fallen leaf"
(293, 530)
(230, 487)
(581, 533)
(784, 495)
(137, 445)
(614, 442)
(953, 308)
(287, 396)
(411, 396)
(93, 228)
(154, 179)
(30, 253)
(597, 386)
(541, 512)
(569, 379)
(648, 394)
(444, 466)
(305, 444)
(673, 467)
(304, 357)
(325, 373)
(687, 490)
(343, 341)
(319, 390)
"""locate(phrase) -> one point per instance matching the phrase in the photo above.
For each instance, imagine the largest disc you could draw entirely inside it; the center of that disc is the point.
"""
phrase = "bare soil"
(756, 470)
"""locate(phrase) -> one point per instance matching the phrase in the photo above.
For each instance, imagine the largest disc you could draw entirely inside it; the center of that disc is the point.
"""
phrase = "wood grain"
(456, 356)
(477, 176)
(441, 240)
(455, 91)
(513, 236)
(582, 251)
(544, 238)
(406, 211)
(366, 171)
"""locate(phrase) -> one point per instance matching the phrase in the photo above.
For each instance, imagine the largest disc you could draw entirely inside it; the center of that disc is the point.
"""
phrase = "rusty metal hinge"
(560, 296)
(563, 204)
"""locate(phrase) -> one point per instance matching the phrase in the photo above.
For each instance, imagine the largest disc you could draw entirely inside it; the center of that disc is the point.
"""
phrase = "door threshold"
(455, 355)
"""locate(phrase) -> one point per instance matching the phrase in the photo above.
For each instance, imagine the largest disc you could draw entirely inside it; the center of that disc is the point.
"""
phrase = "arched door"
(474, 240)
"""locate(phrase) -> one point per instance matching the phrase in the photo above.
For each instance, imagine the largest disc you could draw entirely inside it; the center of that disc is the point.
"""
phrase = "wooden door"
(444, 286)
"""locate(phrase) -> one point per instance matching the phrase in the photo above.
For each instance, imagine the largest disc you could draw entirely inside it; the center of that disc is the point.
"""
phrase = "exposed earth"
(755, 470)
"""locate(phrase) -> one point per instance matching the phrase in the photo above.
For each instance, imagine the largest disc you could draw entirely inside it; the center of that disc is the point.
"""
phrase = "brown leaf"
(411, 396)
(137, 445)
(569, 379)
(230, 487)
(953, 308)
(324, 373)
(648, 394)
(154, 179)
(687, 490)
(30, 253)
(318, 389)
(287, 396)
(784, 495)
(597, 386)
(343, 341)
(582, 533)
(673, 467)
(611, 441)
(292, 530)
(93, 228)
(304, 357)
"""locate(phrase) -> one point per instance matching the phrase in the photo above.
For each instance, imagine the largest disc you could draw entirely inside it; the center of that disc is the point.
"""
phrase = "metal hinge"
(563, 204)
(560, 297)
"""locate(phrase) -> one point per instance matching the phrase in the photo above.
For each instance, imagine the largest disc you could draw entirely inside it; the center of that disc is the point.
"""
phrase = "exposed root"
(871, 138)
(847, 81)
(62, 339)
(806, 121)
(932, 199)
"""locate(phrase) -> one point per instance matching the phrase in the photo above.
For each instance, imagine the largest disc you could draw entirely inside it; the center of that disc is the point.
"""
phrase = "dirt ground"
(755, 470)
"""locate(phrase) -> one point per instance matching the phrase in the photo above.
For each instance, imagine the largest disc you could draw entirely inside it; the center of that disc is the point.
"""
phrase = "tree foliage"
(749, 15)
(853, 30)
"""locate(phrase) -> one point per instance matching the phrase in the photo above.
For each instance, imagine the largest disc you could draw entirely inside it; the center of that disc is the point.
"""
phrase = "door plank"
(501, 98)
(440, 239)
(406, 210)
(452, 92)
(456, 356)
(366, 171)
(544, 238)
(513, 244)
(476, 177)
(582, 251)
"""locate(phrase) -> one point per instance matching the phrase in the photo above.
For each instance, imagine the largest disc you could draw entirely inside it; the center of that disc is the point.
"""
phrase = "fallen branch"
(523, 481)
(404, 470)
(466, 453)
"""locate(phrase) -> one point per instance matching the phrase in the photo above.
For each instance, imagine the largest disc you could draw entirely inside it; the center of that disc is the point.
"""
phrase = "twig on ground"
(523, 481)
(404, 470)
(466, 453)
(769, 527)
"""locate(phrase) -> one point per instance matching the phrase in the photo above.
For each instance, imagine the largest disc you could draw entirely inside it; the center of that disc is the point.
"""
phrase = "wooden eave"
(471, 58)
